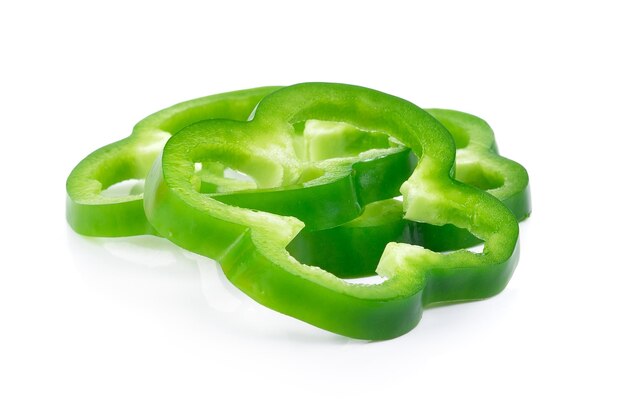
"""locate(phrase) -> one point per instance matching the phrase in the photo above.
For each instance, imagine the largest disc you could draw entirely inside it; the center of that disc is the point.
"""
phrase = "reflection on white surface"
(161, 278)
(218, 292)
(140, 251)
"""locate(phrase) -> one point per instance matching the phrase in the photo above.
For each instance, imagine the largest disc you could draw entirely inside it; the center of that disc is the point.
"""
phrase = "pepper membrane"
(251, 244)
(90, 212)
(352, 250)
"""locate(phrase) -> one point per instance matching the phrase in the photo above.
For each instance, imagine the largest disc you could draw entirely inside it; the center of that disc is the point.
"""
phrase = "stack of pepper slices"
(326, 162)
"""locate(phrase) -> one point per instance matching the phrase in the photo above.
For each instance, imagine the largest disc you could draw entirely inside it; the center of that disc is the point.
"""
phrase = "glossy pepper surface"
(353, 249)
(91, 213)
(251, 243)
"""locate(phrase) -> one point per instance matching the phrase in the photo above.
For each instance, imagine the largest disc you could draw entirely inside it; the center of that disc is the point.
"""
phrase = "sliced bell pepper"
(479, 164)
(377, 175)
(91, 213)
(250, 244)
(352, 250)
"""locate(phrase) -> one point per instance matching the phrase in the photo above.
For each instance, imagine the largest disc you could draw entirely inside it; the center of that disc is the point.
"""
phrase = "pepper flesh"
(91, 213)
(379, 173)
(479, 164)
(352, 250)
(250, 245)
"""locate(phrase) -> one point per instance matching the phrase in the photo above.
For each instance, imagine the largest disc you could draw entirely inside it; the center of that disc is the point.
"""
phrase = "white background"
(138, 318)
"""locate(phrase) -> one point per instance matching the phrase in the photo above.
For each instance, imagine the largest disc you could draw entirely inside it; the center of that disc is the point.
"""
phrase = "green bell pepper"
(91, 213)
(377, 175)
(352, 250)
(251, 244)
(479, 164)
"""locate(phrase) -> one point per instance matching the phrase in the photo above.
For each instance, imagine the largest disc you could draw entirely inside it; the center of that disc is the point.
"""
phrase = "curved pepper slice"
(479, 164)
(377, 173)
(352, 250)
(91, 213)
(250, 245)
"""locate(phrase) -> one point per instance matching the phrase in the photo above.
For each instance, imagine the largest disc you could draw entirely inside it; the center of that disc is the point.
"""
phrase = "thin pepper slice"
(250, 245)
(352, 250)
(91, 213)
(479, 164)
(377, 174)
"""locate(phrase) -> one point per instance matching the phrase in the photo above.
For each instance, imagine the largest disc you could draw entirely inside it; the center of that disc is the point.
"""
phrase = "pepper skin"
(250, 244)
(352, 250)
(90, 213)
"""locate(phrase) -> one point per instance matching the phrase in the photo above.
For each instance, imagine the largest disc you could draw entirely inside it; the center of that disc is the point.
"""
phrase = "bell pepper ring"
(479, 164)
(251, 244)
(352, 250)
(91, 213)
